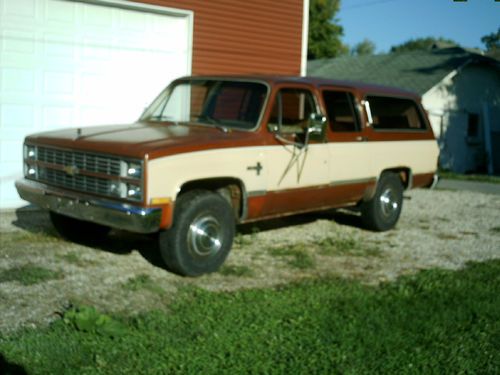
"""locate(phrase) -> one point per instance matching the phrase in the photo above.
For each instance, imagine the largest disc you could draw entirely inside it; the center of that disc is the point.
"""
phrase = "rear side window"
(342, 115)
(395, 114)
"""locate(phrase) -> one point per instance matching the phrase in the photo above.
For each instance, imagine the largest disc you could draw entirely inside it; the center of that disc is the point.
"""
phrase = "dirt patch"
(437, 229)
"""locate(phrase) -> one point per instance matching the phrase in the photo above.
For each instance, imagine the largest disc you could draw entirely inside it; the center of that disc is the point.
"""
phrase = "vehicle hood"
(145, 139)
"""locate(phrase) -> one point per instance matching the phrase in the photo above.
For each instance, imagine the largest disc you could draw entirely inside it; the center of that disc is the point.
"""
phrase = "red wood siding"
(244, 37)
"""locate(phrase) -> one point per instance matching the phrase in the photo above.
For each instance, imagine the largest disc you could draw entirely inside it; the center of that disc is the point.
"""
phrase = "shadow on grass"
(123, 243)
(37, 221)
(341, 217)
(8, 368)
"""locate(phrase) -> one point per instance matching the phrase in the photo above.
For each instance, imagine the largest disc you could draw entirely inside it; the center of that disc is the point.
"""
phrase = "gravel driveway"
(41, 275)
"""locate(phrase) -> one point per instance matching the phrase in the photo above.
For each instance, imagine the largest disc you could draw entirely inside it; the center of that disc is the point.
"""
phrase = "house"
(460, 90)
(74, 63)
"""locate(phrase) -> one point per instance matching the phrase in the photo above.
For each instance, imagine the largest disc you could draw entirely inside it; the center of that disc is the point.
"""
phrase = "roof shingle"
(416, 71)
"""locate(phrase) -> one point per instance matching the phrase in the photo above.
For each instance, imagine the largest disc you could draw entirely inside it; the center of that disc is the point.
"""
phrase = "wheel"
(201, 236)
(78, 230)
(382, 211)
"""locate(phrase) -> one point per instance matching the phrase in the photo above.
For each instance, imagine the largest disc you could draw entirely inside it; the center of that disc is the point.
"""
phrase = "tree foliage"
(419, 44)
(363, 48)
(492, 41)
(324, 30)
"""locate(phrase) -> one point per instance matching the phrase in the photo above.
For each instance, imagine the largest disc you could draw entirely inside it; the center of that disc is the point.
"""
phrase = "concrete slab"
(480, 187)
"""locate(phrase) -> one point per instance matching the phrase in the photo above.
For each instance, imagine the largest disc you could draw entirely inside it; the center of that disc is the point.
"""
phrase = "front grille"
(85, 172)
(88, 184)
(84, 161)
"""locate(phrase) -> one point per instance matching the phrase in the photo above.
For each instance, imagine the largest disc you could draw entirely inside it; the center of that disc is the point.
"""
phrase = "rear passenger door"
(350, 170)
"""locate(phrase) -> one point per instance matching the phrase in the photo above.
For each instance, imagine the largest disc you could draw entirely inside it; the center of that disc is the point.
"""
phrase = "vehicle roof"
(367, 88)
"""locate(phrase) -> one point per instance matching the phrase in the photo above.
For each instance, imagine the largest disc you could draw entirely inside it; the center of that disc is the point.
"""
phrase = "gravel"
(437, 228)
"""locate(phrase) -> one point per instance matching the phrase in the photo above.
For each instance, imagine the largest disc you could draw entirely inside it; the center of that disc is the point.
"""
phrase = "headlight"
(131, 169)
(30, 171)
(134, 192)
(30, 152)
(134, 170)
(125, 190)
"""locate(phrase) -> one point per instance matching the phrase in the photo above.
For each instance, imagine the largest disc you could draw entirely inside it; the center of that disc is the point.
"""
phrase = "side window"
(395, 114)
(292, 110)
(342, 115)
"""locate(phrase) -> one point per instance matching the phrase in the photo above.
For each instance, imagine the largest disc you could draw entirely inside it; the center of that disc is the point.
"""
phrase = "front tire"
(382, 212)
(201, 236)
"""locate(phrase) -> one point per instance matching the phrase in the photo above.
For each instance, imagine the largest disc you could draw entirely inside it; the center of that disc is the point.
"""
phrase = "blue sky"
(390, 22)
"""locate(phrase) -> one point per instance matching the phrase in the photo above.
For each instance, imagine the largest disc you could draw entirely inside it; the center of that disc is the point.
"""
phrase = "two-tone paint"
(260, 175)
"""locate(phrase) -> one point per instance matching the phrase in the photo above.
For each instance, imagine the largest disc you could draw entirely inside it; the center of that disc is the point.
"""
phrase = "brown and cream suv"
(211, 152)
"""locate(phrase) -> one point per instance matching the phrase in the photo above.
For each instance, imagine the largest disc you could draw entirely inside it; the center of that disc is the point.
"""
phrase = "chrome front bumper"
(113, 214)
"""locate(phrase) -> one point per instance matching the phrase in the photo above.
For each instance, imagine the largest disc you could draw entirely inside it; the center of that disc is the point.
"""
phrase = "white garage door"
(66, 63)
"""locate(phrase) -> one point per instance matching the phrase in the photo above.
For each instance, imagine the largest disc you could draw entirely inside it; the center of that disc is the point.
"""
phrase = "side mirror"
(273, 128)
(316, 124)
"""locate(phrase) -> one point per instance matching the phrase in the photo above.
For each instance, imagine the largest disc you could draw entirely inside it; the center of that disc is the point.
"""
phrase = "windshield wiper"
(161, 118)
(213, 121)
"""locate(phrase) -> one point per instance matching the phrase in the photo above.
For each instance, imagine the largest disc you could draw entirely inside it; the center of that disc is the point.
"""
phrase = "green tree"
(422, 44)
(492, 41)
(365, 47)
(324, 30)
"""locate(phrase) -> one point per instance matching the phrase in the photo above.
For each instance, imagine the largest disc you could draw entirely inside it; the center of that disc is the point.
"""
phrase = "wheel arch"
(405, 175)
(230, 188)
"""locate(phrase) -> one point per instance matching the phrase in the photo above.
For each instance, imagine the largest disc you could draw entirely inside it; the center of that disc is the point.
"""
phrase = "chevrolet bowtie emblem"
(71, 170)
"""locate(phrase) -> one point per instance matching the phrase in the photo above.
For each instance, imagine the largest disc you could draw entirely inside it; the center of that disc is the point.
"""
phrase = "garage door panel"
(14, 117)
(58, 50)
(97, 18)
(66, 63)
(57, 116)
(20, 10)
(10, 150)
(60, 13)
(58, 84)
(17, 81)
(16, 44)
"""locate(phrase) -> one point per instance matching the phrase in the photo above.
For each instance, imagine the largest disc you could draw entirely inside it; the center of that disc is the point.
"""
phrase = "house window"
(395, 114)
(342, 115)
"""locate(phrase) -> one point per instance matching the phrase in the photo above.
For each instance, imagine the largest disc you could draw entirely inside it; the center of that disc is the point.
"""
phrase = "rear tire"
(78, 230)
(382, 212)
(201, 236)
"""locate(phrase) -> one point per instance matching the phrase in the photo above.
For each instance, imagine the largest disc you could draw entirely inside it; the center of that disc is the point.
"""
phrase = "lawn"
(435, 322)
(469, 177)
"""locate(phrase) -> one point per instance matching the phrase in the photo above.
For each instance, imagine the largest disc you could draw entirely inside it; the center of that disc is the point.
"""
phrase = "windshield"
(231, 104)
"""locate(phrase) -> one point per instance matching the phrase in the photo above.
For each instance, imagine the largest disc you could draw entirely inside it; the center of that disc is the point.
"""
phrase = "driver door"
(297, 164)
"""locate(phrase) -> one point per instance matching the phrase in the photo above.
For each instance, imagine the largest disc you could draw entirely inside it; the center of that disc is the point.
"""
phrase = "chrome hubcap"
(204, 236)
(389, 203)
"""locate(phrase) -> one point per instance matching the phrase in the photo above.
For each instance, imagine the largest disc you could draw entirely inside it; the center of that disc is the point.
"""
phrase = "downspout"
(305, 37)
(487, 137)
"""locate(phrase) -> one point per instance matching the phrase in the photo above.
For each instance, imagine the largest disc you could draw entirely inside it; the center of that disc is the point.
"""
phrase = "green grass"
(233, 270)
(142, 282)
(469, 177)
(28, 238)
(29, 274)
(435, 322)
(347, 246)
(76, 259)
(296, 256)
